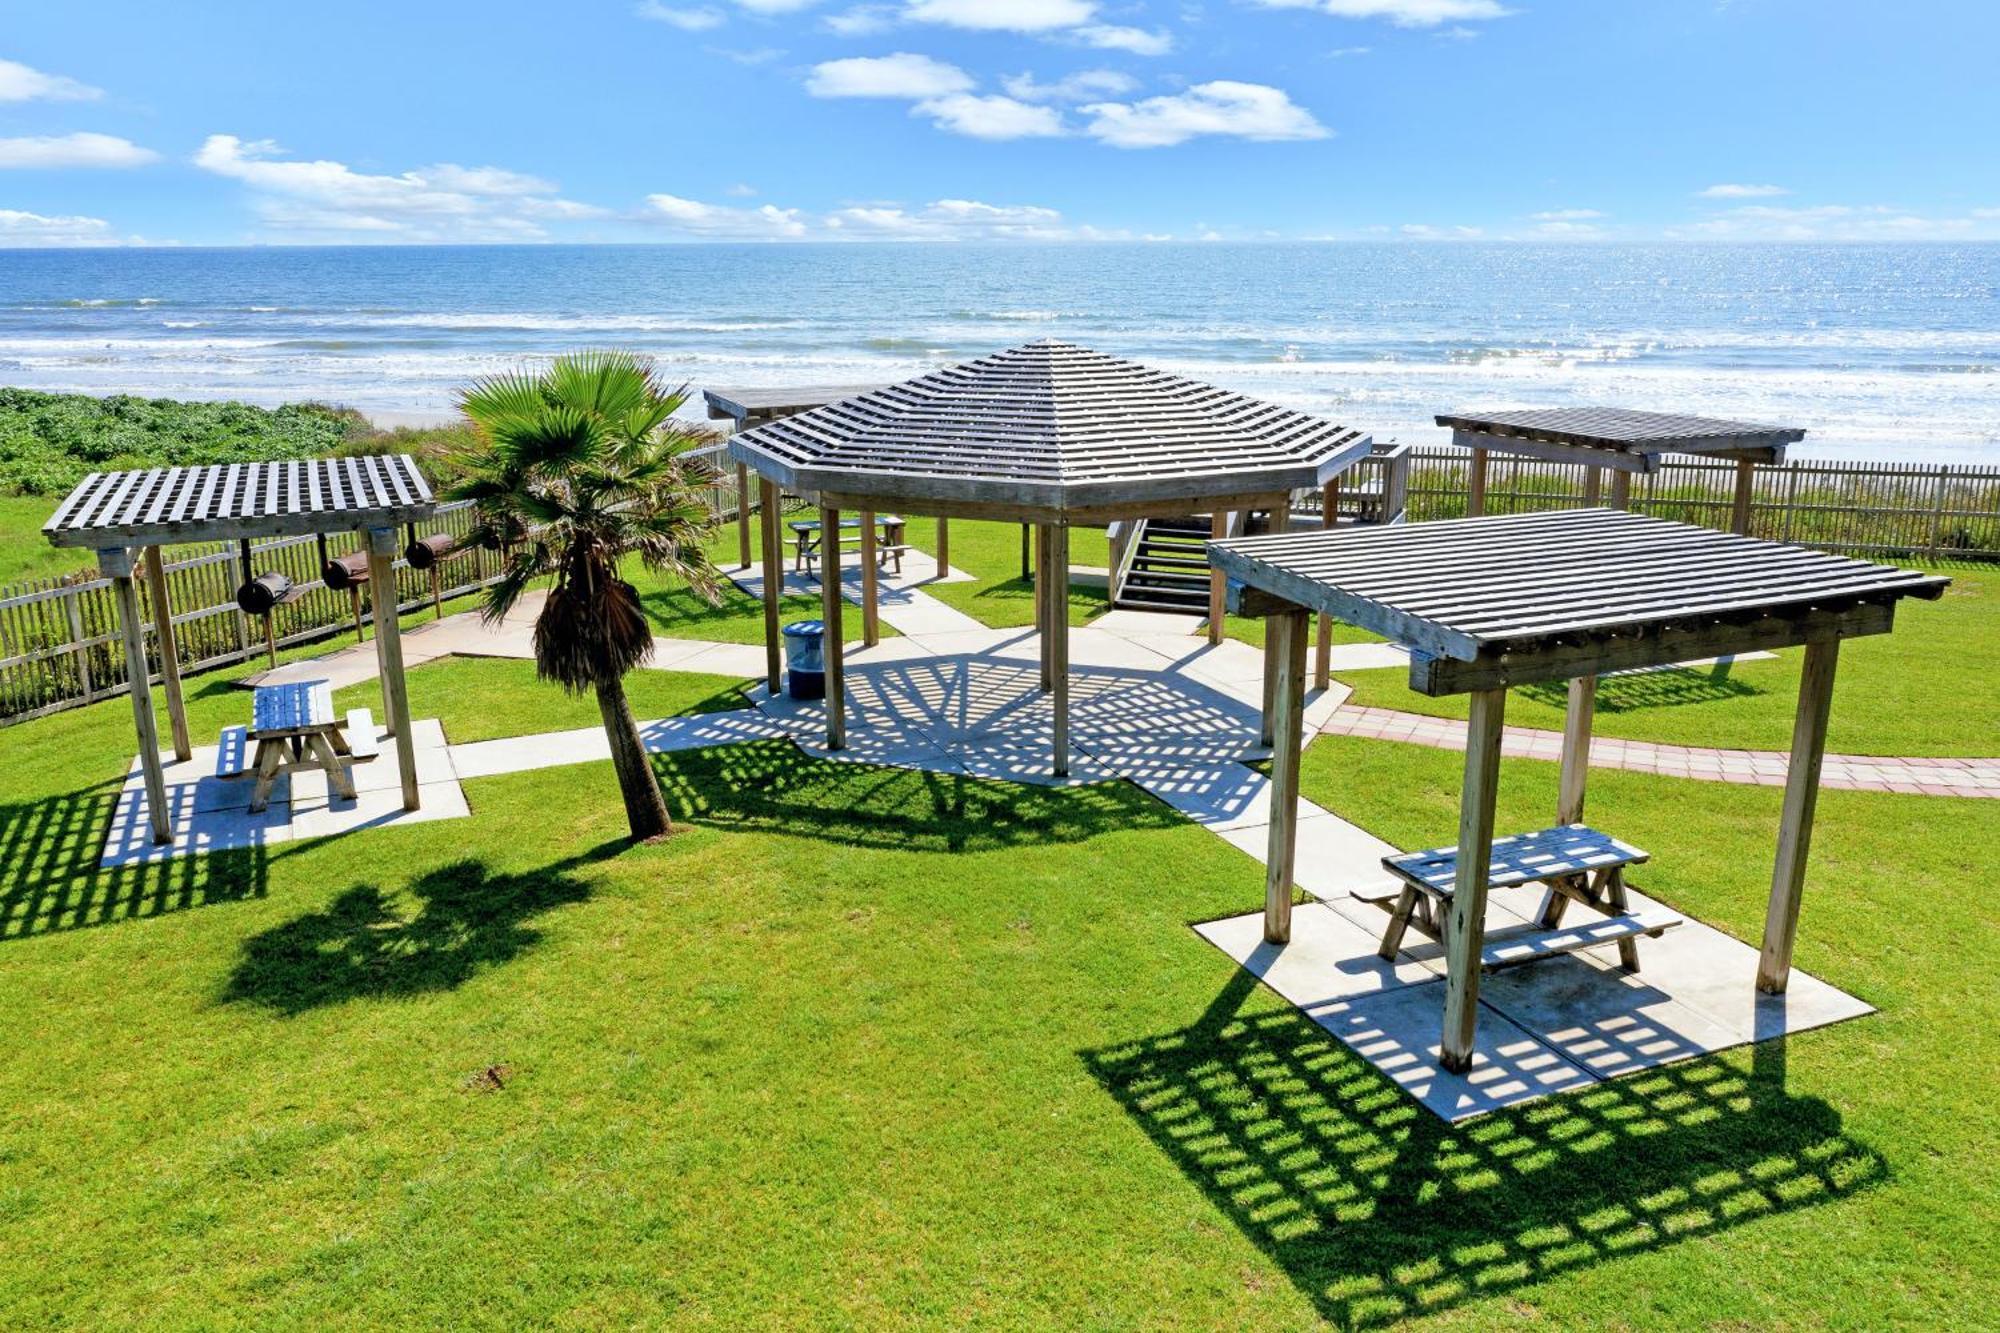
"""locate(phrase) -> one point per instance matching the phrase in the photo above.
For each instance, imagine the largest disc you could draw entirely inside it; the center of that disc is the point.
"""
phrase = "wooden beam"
(1739, 513)
(117, 563)
(1575, 777)
(743, 514)
(1551, 451)
(1788, 878)
(1475, 500)
(1285, 641)
(943, 546)
(871, 624)
(833, 646)
(1218, 582)
(1059, 641)
(774, 582)
(1621, 490)
(1593, 486)
(170, 652)
(1467, 935)
(1329, 517)
(389, 655)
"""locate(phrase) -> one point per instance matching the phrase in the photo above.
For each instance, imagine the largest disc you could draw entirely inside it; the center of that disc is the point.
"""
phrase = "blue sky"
(672, 120)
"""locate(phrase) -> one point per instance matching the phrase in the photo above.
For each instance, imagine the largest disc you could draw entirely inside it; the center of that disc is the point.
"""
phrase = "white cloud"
(19, 83)
(717, 221)
(1402, 13)
(36, 229)
(776, 6)
(1424, 231)
(740, 190)
(861, 21)
(1224, 106)
(1743, 192)
(1081, 86)
(73, 150)
(1567, 215)
(1003, 15)
(443, 202)
(1135, 41)
(1343, 52)
(899, 75)
(1829, 222)
(753, 56)
(991, 117)
(698, 19)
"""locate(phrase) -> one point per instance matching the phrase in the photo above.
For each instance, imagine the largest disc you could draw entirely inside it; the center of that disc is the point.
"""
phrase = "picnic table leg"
(1465, 935)
(270, 754)
(1399, 923)
(338, 775)
(1614, 891)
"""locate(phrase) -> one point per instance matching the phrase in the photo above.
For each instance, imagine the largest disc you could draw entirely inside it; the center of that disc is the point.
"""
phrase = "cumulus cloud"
(73, 150)
(719, 221)
(991, 117)
(1402, 13)
(1220, 107)
(1116, 37)
(1742, 192)
(443, 202)
(939, 220)
(861, 21)
(1082, 86)
(899, 75)
(1003, 15)
(19, 83)
(22, 229)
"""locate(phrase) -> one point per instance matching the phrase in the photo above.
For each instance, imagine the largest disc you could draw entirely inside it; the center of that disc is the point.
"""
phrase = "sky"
(421, 121)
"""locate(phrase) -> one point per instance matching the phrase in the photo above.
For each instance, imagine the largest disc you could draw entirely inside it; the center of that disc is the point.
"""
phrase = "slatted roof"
(225, 501)
(1049, 425)
(1565, 593)
(1626, 431)
(762, 404)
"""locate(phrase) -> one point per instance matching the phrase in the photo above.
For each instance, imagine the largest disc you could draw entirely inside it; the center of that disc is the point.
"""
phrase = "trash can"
(805, 661)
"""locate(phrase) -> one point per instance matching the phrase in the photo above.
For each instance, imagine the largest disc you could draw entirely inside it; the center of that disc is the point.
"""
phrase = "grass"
(1931, 688)
(24, 552)
(882, 1048)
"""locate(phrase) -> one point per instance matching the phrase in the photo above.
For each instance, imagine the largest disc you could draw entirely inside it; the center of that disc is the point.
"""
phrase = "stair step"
(1150, 561)
(1165, 578)
(1528, 946)
(1153, 604)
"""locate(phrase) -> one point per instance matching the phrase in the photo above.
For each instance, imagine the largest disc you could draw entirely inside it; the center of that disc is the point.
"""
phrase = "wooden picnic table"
(806, 539)
(295, 727)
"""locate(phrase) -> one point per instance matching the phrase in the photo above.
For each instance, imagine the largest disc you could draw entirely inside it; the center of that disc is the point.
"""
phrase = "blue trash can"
(805, 659)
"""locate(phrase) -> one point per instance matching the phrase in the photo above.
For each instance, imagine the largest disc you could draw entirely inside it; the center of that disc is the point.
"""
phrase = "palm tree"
(575, 469)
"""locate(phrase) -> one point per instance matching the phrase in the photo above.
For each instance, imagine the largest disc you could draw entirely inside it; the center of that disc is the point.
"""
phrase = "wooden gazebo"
(1049, 434)
(119, 514)
(1489, 603)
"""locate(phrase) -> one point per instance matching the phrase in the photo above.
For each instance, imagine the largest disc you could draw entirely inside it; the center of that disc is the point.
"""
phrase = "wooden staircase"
(1169, 567)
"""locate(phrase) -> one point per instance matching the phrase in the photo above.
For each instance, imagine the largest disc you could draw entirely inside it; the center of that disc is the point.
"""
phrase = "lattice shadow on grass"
(774, 786)
(1638, 691)
(1378, 1211)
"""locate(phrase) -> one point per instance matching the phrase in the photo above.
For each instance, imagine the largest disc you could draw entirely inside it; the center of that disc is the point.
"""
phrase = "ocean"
(1880, 351)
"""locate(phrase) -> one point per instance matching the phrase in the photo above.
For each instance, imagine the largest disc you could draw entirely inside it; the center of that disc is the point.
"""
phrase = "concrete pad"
(725, 659)
(378, 809)
(130, 839)
(1218, 796)
(1333, 855)
(1604, 1019)
(1328, 958)
(1128, 623)
(1368, 656)
(513, 754)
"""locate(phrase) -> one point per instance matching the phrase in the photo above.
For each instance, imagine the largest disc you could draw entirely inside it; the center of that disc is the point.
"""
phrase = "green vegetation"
(1931, 688)
(998, 596)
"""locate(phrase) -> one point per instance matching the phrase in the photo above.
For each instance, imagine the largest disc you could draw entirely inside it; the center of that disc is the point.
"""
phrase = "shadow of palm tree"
(772, 785)
(368, 944)
(1378, 1211)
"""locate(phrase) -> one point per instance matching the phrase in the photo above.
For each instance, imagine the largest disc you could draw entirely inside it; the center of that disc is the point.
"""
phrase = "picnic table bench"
(295, 727)
(889, 548)
(1576, 863)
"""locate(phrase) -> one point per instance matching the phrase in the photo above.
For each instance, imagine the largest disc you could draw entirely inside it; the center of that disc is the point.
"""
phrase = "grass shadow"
(773, 786)
(1378, 1211)
(678, 610)
(51, 878)
(368, 944)
(1637, 691)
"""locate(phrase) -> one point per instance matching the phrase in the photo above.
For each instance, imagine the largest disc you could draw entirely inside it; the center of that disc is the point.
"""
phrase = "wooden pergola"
(744, 408)
(1048, 434)
(1617, 440)
(1489, 603)
(119, 514)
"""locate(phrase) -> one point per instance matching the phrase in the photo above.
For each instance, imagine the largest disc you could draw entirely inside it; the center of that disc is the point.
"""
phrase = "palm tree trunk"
(645, 808)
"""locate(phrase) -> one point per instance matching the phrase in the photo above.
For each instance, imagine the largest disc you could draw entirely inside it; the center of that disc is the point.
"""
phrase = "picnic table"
(295, 727)
(806, 541)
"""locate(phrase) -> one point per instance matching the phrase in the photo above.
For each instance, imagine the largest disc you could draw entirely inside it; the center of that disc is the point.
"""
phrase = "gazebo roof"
(1516, 599)
(225, 501)
(1620, 435)
(1048, 427)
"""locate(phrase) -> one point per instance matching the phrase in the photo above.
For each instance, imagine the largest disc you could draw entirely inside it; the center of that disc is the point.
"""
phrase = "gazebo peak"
(1049, 426)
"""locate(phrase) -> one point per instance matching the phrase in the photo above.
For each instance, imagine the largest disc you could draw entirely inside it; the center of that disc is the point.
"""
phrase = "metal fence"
(1892, 510)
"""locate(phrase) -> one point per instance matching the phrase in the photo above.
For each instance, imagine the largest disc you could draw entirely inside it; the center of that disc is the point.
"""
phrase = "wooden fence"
(1886, 510)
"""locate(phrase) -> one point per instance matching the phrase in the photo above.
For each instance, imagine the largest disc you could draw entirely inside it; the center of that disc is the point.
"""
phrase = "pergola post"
(389, 653)
(1285, 644)
(1739, 511)
(1621, 489)
(1058, 637)
(1475, 499)
(1329, 517)
(1577, 720)
(1465, 937)
(1218, 582)
(743, 514)
(1043, 580)
(871, 625)
(1788, 879)
(833, 641)
(943, 547)
(170, 652)
(774, 580)
(116, 564)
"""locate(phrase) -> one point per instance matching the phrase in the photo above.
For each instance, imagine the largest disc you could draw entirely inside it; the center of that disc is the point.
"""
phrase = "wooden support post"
(1025, 570)
(871, 625)
(943, 547)
(1466, 935)
(743, 514)
(774, 582)
(1788, 879)
(1576, 749)
(1329, 517)
(1739, 514)
(1266, 710)
(354, 604)
(1621, 489)
(1218, 582)
(1059, 642)
(170, 652)
(389, 655)
(1593, 487)
(1044, 581)
(117, 564)
(833, 646)
(1475, 499)
(1285, 641)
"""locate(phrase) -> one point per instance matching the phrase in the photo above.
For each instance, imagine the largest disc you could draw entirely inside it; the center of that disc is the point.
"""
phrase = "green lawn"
(1930, 688)
(869, 1047)
(24, 552)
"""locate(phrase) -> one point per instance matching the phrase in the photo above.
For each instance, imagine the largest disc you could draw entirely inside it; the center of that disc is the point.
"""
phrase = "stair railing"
(1124, 537)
